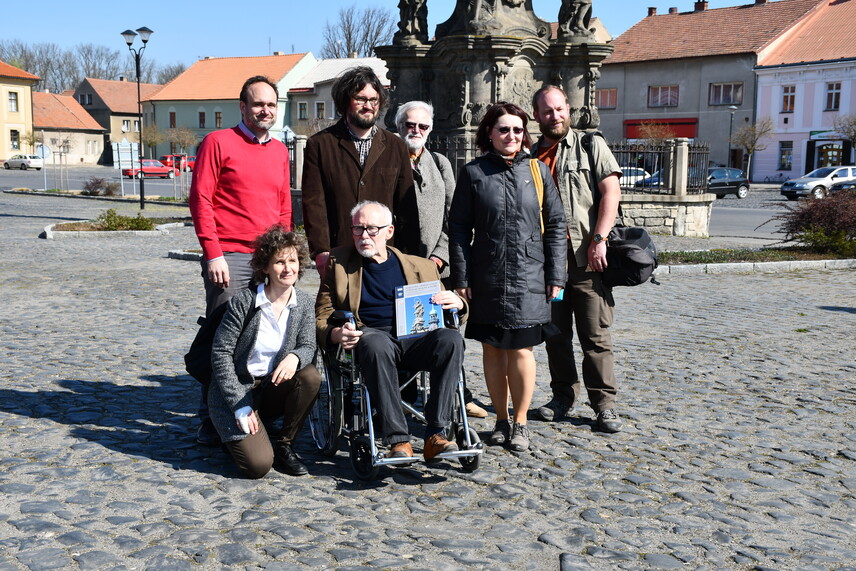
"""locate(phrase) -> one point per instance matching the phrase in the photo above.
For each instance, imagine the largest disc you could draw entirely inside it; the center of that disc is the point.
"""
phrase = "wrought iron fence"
(651, 167)
(698, 161)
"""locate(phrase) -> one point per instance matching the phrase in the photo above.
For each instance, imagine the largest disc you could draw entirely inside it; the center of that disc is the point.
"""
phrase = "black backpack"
(197, 361)
(631, 255)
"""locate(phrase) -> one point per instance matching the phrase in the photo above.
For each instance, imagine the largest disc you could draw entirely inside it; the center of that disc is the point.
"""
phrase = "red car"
(186, 161)
(151, 168)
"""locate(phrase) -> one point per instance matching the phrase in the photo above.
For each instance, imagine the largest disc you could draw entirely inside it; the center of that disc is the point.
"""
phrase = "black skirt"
(500, 338)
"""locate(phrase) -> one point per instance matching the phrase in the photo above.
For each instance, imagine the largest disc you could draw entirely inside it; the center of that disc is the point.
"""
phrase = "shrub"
(110, 220)
(96, 186)
(827, 225)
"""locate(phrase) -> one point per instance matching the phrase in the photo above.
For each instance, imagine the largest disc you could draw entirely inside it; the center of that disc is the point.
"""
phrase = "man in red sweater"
(240, 188)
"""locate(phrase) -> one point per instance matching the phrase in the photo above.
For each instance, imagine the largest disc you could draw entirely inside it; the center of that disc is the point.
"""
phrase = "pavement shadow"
(838, 308)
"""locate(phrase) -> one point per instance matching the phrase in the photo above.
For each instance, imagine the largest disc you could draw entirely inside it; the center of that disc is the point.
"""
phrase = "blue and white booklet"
(414, 313)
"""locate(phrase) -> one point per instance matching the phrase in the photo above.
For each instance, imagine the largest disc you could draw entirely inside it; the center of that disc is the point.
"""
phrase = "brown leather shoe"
(438, 444)
(475, 411)
(400, 450)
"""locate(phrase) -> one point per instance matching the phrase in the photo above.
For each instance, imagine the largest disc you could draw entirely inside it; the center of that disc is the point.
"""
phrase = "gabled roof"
(121, 96)
(7, 70)
(330, 69)
(52, 111)
(720, 31)
(222, 78)
(820, 38)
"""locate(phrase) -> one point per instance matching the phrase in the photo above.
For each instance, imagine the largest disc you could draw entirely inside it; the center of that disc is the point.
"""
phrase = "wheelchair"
(343, 409)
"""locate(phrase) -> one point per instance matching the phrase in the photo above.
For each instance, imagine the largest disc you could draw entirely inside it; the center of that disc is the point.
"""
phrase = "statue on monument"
(575, 18)
(413, 21)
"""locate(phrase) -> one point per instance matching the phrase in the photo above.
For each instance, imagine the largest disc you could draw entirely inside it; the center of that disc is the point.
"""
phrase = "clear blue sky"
(186, 31)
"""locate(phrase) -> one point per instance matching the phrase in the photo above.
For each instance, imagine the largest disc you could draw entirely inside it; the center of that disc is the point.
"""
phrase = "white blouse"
(271, 333)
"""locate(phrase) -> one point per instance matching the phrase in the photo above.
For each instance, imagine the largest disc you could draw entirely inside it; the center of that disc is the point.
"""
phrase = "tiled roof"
(818, 38)
(222, 78)
(329, 69)
(52, 111)
(7, 70)
(121, 96)
(720, 31)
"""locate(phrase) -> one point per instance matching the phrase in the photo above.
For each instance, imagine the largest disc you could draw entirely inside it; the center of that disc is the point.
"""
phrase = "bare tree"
(654, 132)
(169, 72)
(751, 138)
(98, 62)
(846, 126)
(182, 137)
(358, 32)
(32, 138)
(153, 136)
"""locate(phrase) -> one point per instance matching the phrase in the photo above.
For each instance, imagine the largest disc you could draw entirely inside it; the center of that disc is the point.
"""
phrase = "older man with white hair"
(434, 181)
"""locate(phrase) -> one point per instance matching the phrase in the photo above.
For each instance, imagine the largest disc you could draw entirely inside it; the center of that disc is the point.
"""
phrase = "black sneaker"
(609, 421)
(556, 409)
(519, 437)
(286, 460)
(207, 434)
(501, 433)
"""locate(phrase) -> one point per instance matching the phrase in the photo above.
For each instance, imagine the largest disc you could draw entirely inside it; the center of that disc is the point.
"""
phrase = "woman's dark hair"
(274, 240)
(494, 112)
(352, 82)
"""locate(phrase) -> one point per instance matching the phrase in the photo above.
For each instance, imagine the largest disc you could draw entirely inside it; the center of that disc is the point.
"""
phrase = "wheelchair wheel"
(468, 463)
(361, 458)
(325, 417)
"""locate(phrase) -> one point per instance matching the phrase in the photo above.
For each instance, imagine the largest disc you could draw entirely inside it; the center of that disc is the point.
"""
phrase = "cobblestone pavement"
(739, 450)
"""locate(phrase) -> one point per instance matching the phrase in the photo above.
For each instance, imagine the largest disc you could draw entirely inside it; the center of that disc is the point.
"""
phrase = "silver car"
(24, 162)
(817, 183)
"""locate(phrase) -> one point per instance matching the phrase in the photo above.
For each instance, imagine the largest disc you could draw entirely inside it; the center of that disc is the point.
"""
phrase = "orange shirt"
(548, 157)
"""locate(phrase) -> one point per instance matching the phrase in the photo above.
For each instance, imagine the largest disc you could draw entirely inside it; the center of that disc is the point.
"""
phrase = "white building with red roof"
(73, 136)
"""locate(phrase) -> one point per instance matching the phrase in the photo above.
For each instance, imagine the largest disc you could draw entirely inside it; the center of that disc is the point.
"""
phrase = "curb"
(85, 197)
(755, 267)
(50, 234)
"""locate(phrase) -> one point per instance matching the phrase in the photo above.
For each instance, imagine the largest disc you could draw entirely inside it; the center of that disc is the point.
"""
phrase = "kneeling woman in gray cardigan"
(262, 360)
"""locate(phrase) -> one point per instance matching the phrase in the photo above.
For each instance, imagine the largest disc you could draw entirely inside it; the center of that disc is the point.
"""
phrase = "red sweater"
(240, 189)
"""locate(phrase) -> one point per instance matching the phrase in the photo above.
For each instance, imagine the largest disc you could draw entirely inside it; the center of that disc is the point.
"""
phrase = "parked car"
(186, 162)
(632, 175)
(151, 168)
(652, 180)
(818, 182)
(722, 181)
(845, 185)
(24, 162)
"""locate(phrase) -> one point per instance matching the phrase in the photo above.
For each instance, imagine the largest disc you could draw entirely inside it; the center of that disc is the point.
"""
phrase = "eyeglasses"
(370, 230)
(371, 102)
(506, 130)
(411, 125)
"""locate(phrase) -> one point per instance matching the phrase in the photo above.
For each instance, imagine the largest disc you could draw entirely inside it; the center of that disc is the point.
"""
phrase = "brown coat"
(343, 284)
(333, 183)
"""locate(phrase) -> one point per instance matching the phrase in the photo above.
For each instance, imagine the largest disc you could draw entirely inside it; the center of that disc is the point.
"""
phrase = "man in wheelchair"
(362, 279)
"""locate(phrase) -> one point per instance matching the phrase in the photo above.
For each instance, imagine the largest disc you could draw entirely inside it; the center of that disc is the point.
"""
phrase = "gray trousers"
(240, 276)
(589, 305)
(380, 355)
(290, 400)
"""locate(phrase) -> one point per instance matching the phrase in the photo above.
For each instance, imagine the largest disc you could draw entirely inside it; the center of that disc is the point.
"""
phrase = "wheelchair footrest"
(384, 461)
(459, 454)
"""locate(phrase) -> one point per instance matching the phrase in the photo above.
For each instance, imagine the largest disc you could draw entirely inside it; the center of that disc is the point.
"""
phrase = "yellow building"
(16, 110)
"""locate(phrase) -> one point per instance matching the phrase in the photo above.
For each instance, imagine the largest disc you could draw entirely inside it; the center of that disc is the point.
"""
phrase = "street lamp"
(733, 108)
(129, 36)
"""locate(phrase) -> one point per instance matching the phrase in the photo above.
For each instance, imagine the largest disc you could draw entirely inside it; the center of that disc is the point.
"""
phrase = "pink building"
(806, 79)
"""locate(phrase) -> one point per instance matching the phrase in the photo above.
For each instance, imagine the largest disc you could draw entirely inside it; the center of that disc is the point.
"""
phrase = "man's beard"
(362, 122)
(367, 250)
(555, 132)
(265, 124)
(414, 144)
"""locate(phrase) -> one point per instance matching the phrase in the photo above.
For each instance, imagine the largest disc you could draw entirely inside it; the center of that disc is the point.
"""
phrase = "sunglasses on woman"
(505, 130)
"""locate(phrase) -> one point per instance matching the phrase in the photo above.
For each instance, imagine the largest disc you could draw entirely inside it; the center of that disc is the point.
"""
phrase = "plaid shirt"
(363, 145)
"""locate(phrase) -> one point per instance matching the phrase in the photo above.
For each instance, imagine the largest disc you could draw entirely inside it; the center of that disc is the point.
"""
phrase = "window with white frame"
(725, 94)
(789, 97)
(13, 101)
(319, 109)
(663, 96)
(126, 125)
(136, 125)
(833, 96)
(606, 98)
(302, 110)
(15, 140)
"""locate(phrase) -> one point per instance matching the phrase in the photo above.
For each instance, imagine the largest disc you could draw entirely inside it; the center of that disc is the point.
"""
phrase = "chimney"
(673, 10)
(652, 10)
(700, 6)
(353, 55)
(760, 1)
(279, 53)
(122, 78)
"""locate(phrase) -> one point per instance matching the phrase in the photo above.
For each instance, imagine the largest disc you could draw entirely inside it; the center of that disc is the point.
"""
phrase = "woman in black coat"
(508, 252)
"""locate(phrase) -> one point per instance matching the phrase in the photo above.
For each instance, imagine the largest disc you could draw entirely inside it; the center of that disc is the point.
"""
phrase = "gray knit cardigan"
(232, 384)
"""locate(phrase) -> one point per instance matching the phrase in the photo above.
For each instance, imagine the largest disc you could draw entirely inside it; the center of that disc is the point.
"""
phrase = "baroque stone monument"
(489, 51)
